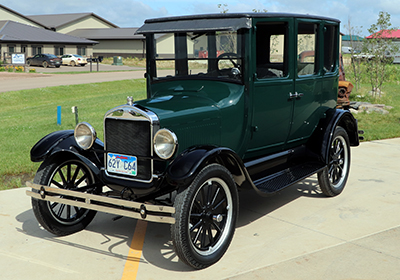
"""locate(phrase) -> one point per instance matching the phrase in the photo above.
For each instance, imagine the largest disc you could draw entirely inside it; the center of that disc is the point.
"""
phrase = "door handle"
(295, 95)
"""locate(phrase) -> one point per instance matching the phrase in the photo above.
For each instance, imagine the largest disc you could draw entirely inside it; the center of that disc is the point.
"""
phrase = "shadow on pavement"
(158, 249)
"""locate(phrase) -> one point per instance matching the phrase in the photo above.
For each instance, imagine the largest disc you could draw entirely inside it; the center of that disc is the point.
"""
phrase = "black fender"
(319, 142)
(182, 171)
(44, 147)
(62, 144)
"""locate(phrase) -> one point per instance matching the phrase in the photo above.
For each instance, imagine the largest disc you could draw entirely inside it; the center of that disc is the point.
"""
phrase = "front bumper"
(121, 207)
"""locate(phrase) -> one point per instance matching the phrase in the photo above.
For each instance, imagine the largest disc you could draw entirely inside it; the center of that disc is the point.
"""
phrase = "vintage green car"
(234, 101)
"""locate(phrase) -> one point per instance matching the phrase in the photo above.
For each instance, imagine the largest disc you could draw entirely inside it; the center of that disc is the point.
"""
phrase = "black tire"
(45, 64)
(61, 219)
(206, 214)
(332, 180)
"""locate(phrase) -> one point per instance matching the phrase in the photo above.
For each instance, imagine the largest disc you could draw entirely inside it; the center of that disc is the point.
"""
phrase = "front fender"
(45, 146)
(182, 171)
(64, 140)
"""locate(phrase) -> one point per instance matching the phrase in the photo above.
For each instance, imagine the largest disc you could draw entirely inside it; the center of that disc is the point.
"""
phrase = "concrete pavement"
(296, 234)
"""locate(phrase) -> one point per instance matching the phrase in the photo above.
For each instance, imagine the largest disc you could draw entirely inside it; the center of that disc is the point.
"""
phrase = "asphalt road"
(296, 234)
(45, 77)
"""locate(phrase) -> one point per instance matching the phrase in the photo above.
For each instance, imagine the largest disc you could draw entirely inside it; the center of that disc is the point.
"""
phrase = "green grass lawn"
(28, 115)
(377, 126)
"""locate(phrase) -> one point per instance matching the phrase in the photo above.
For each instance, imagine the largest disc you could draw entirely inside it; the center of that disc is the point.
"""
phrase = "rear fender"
(182, 171)
(322, 137)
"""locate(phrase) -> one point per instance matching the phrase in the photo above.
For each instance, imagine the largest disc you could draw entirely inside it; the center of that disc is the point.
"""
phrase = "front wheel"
(45, 64)
(206, 214)
(332, 179)
(57, 218)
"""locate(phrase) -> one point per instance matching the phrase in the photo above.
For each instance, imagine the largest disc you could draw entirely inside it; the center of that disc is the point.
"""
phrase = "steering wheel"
(230, 56)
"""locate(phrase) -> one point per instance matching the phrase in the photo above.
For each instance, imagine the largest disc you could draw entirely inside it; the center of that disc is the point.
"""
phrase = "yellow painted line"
(135, 251)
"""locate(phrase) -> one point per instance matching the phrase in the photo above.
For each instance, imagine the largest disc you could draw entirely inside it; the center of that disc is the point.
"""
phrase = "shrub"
(2, 69)
(19, 69)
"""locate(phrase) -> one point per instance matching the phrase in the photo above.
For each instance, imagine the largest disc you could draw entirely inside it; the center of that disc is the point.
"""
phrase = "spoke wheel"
(57, 218)
(333, 179)
(206, 217)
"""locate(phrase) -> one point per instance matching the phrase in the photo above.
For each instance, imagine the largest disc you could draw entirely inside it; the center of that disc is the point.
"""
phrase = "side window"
(330, 47)
(271, 54)
(306, 49)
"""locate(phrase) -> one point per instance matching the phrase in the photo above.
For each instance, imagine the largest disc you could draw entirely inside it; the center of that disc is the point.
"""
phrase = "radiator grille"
(131, 138)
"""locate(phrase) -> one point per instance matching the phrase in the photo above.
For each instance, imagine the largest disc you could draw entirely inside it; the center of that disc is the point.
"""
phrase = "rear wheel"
(73, 63)
(57, 218)
(206, 214)
(332, 179)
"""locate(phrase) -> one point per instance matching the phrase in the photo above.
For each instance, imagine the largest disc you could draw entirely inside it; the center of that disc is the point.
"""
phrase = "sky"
(132, 13)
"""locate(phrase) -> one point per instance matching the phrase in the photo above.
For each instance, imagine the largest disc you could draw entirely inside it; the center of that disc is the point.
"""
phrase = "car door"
(35, 59)
(273, 84)
(316, 77)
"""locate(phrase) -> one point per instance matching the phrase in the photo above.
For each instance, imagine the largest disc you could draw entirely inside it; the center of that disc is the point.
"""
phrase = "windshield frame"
(186, 58)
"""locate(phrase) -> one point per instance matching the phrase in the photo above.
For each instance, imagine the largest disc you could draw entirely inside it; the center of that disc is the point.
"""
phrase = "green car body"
(234, 101)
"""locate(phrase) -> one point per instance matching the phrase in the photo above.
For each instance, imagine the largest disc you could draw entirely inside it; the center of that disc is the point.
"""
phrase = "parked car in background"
(347, 49)
(44, 59)
(73, 60)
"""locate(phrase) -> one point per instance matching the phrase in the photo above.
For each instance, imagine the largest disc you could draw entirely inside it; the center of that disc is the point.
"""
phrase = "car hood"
(189, 116)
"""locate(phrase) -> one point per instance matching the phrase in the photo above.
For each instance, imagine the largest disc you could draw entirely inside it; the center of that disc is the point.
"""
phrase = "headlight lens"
(165, 143)
(85, 135)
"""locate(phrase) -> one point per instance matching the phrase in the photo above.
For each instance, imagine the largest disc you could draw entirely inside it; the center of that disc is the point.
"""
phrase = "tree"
(223, 8)
(354, 33)
(380, 46)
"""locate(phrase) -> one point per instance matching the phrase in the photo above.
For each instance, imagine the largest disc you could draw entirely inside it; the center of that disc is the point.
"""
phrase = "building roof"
(354, 37)
(388, 34)
(56, 21)
(107, 33)
(21, 15)
(11, 31)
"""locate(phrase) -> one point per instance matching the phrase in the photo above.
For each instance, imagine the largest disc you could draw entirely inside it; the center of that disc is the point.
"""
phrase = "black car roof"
(208, 22)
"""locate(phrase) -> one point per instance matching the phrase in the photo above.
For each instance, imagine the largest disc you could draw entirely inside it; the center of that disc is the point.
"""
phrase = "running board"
(285, 178)
(140, 211)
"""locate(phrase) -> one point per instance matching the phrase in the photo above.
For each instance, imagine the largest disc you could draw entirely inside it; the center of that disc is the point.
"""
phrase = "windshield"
(212, 55)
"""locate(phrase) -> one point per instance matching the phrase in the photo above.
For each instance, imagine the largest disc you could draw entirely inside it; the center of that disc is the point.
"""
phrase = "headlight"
(165, 143)
(85, 135)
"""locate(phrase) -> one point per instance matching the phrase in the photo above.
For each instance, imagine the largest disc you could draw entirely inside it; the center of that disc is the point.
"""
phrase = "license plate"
(122, 164)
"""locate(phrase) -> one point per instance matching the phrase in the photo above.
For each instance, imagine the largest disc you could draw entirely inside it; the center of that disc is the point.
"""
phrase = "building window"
(36, 50)
(81, 50)
(59, 50)
(11, 48)
(23, 48)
